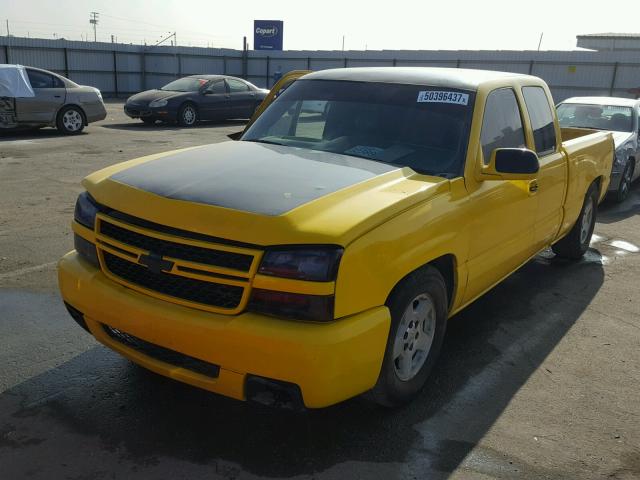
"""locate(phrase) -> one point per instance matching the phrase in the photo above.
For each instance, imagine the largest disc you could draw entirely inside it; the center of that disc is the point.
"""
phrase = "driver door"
(501, 213)
(215, 101)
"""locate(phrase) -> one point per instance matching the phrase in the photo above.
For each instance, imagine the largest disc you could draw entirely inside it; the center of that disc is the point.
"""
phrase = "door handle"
(56, 96)
(533, 186)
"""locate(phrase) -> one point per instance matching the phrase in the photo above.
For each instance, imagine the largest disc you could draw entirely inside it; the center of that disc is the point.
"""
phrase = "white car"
(621, 117)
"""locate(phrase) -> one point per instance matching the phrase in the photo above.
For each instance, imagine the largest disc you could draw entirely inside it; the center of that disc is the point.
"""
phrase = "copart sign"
(267, 34)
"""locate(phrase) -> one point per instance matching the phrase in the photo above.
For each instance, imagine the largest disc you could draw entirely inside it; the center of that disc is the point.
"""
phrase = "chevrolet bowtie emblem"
(155, 263)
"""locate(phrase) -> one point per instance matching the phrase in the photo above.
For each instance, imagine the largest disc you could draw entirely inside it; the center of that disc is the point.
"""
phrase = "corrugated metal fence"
(120, 70)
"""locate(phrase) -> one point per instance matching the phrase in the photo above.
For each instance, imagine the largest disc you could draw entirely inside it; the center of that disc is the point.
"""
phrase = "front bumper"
(160, 113)
(328, 362)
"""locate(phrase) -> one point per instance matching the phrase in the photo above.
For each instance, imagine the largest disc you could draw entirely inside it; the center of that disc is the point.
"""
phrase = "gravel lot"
(538, 379)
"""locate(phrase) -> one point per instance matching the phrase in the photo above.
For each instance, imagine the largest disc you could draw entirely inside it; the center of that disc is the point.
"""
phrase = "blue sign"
(267, 34)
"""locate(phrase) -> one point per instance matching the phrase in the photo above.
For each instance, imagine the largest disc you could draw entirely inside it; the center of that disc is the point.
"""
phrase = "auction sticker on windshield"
(433, 96)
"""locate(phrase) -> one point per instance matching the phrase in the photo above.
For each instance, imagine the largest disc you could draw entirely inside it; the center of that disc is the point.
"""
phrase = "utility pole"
(343, 43)
(8, 32)
(540, 41)
(93, 19)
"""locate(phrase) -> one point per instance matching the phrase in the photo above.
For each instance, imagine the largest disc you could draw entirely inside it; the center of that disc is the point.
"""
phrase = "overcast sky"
(320, 25)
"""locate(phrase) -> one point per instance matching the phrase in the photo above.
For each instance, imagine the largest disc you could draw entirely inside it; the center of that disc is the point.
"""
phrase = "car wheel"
(70, 120)
(187, 115)
(625, 183)
(148, 121)
(418, 306)
(576, 243)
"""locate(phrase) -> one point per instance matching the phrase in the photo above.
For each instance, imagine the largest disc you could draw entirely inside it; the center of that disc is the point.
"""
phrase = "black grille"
(218, 258)
(163, 354)
(208, 293)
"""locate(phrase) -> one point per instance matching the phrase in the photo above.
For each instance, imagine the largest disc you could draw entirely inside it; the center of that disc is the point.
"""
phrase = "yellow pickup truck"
(320, 256)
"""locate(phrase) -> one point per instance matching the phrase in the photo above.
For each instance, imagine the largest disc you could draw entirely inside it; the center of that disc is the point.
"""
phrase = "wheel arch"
(446, 265)
(79, 107)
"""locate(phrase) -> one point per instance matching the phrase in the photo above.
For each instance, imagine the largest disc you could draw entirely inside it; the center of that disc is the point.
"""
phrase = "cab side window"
(502, 123)
(40, 79)
(57, 83)
(217, 87)
(544, 132)
(237, 86)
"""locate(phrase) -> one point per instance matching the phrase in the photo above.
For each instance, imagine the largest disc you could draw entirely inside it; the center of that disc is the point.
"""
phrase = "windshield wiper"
(268, 142)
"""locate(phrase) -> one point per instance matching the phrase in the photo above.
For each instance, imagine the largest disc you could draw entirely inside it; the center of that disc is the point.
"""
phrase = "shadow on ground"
(33, 134)
(136, 125)
(611, 212)
(493, 346)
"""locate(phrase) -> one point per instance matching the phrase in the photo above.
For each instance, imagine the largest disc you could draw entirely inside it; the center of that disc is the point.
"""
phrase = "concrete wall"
(119, 69)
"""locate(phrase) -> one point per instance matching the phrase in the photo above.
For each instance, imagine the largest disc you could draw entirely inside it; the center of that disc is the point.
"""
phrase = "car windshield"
(601, 117)
(188, 84)
(425, 128)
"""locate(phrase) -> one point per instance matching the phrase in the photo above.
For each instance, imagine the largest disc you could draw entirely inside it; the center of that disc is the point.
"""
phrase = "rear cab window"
(502, 123)
(541, 117)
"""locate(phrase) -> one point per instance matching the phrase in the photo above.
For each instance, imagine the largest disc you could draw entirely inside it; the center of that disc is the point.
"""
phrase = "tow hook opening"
(274, 393)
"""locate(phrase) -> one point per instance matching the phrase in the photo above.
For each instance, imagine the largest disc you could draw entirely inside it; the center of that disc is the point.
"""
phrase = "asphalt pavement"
(538, 379)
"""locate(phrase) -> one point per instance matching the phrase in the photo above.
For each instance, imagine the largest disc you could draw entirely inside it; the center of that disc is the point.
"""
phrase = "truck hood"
(262, 194)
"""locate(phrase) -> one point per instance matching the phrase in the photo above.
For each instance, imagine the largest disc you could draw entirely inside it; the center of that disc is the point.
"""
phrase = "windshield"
(188, 84)
(425, 128)
(600, 117)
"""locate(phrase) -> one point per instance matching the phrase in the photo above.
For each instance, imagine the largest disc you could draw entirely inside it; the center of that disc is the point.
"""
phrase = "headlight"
(86, 210)
(313, 264)
(318, 264)
(296, 306)
(158, 103)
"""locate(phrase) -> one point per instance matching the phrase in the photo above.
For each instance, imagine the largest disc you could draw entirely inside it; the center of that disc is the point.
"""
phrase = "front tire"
(576, 243)
(625, 183)
(418, 306)
(187, 115)
(70, 120)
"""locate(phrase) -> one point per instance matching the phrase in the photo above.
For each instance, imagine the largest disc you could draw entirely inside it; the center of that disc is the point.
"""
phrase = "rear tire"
(625, 183)
(418, 306)
(70, 120)
(187, 115)
(576, 243)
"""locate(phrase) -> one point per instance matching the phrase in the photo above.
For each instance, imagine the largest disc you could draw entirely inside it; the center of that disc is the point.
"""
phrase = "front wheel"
(625, 183)
(187, 115)
(70, 121)
(418, 307)
(576, 243)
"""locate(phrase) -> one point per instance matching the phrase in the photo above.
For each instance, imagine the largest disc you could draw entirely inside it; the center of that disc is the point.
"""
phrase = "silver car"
(56, 102)
(621, 117)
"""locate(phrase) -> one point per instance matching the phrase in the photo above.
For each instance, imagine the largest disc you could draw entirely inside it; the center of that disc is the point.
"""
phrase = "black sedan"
(198, 97)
